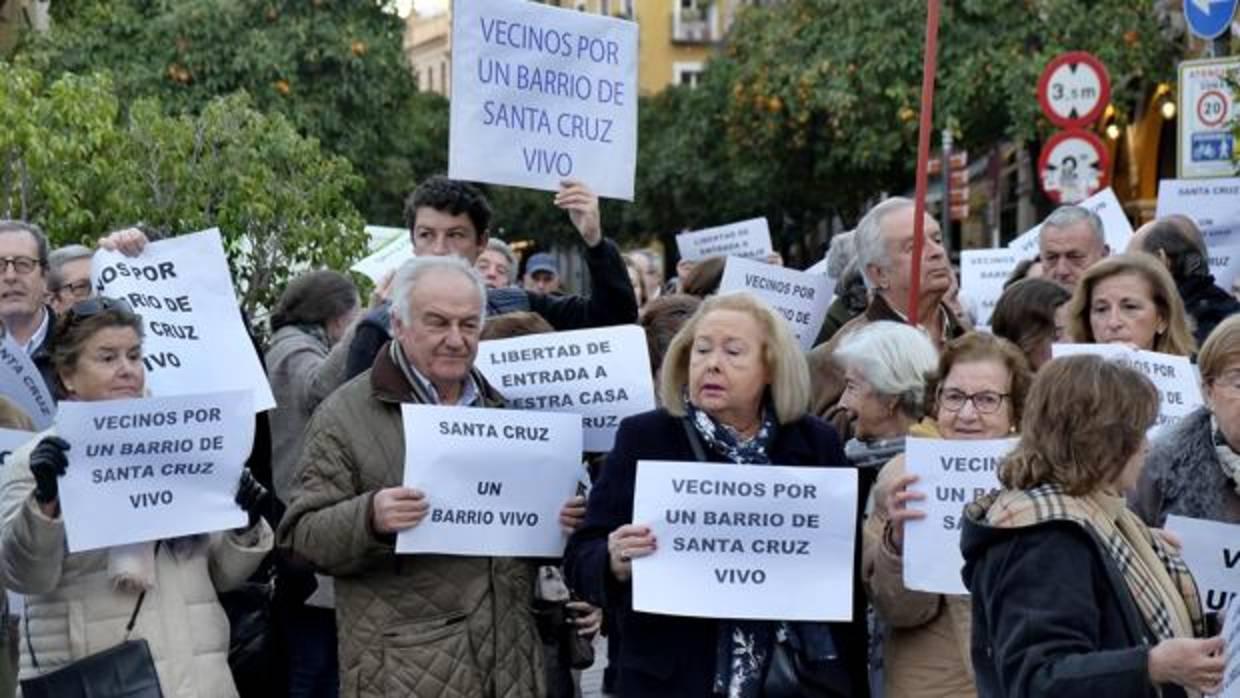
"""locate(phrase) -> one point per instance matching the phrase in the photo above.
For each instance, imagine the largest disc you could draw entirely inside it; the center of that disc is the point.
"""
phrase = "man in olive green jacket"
(420, 625)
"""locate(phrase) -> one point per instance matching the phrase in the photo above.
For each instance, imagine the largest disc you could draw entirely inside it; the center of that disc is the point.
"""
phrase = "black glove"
(47, 463)
(252, 497)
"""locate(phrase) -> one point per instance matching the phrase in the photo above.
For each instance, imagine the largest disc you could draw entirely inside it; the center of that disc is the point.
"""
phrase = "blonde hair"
(12, 416)
(785, 362)
(1177, 340)
(1084, 418)
(1222, 347)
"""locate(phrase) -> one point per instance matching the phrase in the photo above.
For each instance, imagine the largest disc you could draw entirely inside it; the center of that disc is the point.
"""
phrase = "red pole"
(923, 153)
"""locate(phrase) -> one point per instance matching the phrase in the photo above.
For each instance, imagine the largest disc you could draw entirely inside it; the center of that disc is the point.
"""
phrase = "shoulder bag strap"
(694, 441)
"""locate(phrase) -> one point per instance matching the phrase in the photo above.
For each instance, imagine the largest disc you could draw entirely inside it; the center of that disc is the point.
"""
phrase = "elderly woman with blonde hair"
(735, 389)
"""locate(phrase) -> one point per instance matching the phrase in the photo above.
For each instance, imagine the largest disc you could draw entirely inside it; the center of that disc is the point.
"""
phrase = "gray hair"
(842, 251)
(59, 258)
(871, 248)
(1066, 216)
(411, 273)
(896, 359)
(40, 239)
(496, 245)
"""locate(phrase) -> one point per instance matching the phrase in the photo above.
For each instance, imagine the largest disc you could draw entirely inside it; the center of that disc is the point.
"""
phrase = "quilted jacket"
(409, 625)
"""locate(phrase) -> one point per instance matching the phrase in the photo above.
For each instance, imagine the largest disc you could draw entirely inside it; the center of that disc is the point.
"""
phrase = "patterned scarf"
(1156, 576)
(1228, 459)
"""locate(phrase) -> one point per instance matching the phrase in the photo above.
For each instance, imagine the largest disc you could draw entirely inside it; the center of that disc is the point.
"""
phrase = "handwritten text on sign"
(1212, 552)
(799, 297)
(746, 541)
(22, 383)
(195, 339)
(142, 470)
(750, 239)
(1179, 393)
(540, 94)
(602, 375)
(495, 479)
(951, 473)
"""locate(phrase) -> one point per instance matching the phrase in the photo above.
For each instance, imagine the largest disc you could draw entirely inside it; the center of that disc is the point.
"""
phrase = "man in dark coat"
(1177, 241)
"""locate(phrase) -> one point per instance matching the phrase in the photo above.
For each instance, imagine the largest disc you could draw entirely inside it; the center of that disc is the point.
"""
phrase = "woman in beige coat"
(982, 386)
(78, 604)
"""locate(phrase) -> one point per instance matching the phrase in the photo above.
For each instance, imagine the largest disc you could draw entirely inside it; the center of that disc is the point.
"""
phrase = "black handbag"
(124, 671)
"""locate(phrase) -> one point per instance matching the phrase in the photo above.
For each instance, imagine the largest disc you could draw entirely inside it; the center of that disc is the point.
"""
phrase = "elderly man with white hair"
(884, 240)
(412, 624)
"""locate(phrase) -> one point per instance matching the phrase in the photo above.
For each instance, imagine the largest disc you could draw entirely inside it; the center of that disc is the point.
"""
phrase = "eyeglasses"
(1229, 381)
(21, 265)
(77, 289)
(985, 402)
(96, 305)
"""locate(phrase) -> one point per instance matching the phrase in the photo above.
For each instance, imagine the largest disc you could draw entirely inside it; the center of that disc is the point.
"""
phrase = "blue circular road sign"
(1208, 19)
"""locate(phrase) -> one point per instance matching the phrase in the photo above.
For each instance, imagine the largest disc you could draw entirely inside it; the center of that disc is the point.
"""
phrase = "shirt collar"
(469, 392)
(36, 339)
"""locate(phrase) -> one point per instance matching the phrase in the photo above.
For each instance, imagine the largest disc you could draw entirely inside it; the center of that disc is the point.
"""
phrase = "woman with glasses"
(68, 276)
(926, 654)
(1193, 468)
(79, 604)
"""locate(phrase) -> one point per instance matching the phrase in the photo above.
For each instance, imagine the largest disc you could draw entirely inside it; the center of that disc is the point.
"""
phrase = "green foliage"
(74, 165)
(334, 68)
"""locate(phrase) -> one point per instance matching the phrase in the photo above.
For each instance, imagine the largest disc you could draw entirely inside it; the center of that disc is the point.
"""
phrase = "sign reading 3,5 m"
(1074, 89)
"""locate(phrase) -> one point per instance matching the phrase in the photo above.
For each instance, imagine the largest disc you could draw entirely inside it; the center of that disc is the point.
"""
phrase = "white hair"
(841, 253)
(496, 245)
(1070, 215)
(411, 273)
(896, 359)
(871, 248)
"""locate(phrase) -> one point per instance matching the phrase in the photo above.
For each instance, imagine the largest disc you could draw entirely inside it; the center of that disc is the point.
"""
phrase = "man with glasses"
(68, 278)
(26, 317)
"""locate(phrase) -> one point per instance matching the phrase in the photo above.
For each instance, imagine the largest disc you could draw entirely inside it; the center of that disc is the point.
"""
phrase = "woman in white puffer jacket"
(79, 604)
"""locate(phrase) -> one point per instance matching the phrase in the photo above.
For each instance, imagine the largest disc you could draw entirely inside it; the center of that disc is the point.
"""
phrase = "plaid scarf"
(1156, 576)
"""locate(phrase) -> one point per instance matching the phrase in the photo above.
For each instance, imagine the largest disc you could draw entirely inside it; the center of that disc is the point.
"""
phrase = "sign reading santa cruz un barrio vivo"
(542, 94)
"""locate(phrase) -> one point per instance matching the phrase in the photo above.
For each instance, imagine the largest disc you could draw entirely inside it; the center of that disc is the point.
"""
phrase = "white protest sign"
(1231, 640)
(11, 440)
(951, 473)
(541, 94)
(1224, 265)
(1212, 552)
(1179, 389)
(819, 267)
(1116, 227)
(1213, 204)
(799, 297)
(154, 468)
(746, 541)
(495, 479)
(195, 339)
(389, 248)
(601, 374)
(982, 275)
(21, 382)
(750, 239)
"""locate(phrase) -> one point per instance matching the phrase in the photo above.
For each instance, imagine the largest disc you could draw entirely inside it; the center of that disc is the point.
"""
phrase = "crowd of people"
(1075, 588)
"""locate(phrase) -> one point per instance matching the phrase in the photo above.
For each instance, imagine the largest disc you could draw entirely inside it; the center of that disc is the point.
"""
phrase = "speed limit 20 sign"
(1206, 144)
(1074, 89)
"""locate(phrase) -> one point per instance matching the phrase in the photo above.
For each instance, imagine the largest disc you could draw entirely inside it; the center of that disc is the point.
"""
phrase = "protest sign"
(541, 94)
(746, 541)
(951, 473)
(1224, 263)
(1179, 388)
(982, 275)
(195, 339)
(495, 479)
(11, 440)
(389, 248)
(1213, 204)
(154, 468)
(21, 382)
(1231, 640)
(1212, 552)
(1115, 226)
(602, 375)
(750, 239)
(799, 297)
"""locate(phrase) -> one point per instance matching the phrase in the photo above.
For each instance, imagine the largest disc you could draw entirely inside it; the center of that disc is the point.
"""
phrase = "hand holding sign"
(129, 242)
(573, 514)
(47, 463)
(582, 207)
(1187, 662)
(397, 509)
(624, 544)
(898, 511)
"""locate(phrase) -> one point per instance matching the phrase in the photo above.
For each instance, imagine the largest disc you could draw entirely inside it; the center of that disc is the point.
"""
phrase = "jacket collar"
(388, 384)
(880, 309)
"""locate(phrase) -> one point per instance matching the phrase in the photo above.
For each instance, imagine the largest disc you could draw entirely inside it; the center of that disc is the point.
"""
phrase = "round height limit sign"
(1074, 89)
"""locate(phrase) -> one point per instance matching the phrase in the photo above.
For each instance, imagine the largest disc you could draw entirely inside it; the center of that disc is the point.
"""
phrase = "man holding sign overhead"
(426, 624)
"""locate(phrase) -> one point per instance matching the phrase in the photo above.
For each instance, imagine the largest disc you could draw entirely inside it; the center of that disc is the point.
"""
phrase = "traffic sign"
(1205, 143)
(1074, 89)
(959, 161)
(1073, 166)
(1209, 19)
